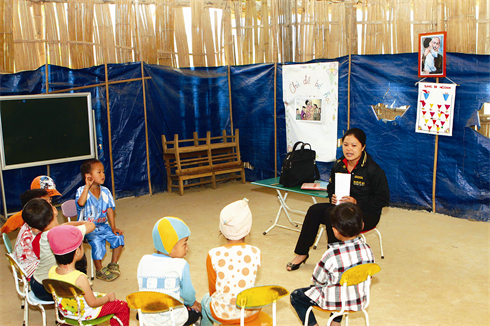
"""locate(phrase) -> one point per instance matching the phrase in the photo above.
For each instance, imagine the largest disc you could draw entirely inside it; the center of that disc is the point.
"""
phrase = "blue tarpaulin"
(182, 101)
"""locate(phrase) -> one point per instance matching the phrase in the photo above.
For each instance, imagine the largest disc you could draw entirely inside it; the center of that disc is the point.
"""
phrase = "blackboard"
(45, 129)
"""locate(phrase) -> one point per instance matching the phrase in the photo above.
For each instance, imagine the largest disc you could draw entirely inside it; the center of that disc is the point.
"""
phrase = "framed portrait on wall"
(432, 54)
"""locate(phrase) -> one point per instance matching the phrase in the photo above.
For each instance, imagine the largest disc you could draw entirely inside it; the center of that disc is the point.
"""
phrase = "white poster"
(310, 93)
(435, 109)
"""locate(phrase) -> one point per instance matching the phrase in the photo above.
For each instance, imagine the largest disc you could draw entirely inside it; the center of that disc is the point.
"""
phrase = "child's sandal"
(106, 275)
(114, 268)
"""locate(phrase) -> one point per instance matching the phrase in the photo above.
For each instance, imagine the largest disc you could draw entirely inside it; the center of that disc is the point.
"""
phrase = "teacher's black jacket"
(369, 185)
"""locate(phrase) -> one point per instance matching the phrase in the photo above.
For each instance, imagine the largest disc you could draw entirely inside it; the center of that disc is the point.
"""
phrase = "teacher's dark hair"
(347, 219)
(358, 133)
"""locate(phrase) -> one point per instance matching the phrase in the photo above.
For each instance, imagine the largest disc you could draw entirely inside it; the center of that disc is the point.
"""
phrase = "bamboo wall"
(85, 33)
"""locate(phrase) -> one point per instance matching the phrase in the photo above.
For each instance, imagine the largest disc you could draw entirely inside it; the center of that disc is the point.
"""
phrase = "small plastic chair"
(359, 275)
(152, 303)
(69, 210)
(258, 297)
(22, 287)
(380, 241)
(8, 244)
(60, 290)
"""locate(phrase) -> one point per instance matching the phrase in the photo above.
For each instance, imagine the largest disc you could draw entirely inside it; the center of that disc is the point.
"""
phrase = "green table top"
(274, 183)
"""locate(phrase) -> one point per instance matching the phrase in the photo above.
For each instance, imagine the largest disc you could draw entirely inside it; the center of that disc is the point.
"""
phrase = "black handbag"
(299, 166)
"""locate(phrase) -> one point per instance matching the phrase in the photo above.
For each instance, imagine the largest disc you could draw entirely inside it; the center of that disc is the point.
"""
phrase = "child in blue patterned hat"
(168, 272)
(96, 204)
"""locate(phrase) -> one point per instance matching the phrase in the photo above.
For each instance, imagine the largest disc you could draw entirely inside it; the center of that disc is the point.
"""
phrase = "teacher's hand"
(333, 201)
(348, 199)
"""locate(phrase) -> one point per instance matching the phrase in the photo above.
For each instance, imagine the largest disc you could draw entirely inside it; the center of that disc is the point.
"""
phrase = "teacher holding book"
(368, 189)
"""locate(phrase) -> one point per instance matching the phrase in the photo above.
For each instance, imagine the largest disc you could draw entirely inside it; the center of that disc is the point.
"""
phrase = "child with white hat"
(231, 268)
(168, 272)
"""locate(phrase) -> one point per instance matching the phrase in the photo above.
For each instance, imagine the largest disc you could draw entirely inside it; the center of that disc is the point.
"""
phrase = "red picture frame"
(432, 54)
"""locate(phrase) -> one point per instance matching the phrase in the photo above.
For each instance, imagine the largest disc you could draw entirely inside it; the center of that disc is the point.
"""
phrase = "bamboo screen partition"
(84, 33)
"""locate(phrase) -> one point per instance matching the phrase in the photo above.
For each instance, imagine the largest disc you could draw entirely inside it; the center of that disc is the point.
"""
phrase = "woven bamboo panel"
(165, 32)
(265, 49)
(52, 35)
(401, 26)
(62, 20)
(124, 36)
(373, 27)
(461, 26)
(208, 39)
(6, 36)
(483, 39)
(181, 39)
(425, 20)
(197, 34)
(83, 33)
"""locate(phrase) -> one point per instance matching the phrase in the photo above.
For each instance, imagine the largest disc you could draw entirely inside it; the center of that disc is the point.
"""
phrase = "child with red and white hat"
(41, 182)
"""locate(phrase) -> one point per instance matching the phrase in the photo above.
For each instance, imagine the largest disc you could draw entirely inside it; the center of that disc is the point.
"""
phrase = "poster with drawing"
(310, 93)
(435, 109)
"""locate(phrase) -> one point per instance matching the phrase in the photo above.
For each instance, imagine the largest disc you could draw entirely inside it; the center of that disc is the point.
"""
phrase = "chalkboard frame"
(45, 129)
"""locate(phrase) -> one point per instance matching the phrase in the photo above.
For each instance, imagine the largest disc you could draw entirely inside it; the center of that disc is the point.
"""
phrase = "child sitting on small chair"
(41, 215)
(26, 250)
(231, 268)
(347, 224)
(95, 204)
(66, 243)
(168, 272)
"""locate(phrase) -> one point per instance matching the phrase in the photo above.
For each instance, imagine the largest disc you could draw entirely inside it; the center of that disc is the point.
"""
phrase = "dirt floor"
(435, 271)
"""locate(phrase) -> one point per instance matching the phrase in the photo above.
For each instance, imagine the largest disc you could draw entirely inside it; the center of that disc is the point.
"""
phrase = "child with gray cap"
(168, 272)
(231, 268)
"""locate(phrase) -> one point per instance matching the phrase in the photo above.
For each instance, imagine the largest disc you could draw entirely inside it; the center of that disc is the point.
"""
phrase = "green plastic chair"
(8, 244)
(62, 289)
(27, 296)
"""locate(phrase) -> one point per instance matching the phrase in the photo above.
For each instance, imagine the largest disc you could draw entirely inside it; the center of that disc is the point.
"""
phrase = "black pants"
(193, 316)
(320, 214)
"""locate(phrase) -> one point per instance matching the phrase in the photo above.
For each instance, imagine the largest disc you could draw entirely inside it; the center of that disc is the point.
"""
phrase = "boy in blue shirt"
(168, 272)
(96, 204)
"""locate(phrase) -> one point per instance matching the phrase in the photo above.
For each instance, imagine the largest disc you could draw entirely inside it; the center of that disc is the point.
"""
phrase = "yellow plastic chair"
(22, 287)
(62, 289)
(69, 210)
(151, 302)
(359, 275)
(258, 297)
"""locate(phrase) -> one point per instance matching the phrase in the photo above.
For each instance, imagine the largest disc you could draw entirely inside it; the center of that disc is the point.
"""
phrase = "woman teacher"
(369, 190)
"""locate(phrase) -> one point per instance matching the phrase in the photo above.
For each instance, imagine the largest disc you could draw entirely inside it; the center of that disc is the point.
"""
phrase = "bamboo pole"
(275, 120)
(109, 129)
(230, 94)
(434, 171)
(98, 85)
(145, 113)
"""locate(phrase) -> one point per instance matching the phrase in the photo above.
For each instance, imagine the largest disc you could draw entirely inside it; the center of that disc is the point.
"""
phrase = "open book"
(317, 185)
